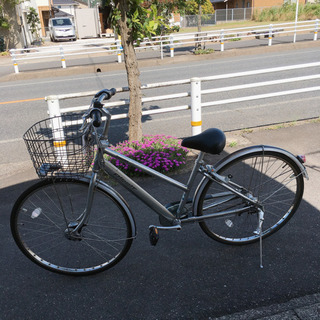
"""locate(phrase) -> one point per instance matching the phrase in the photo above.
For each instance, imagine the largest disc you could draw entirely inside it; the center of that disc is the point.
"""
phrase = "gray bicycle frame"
(207, 171)
(144, 196)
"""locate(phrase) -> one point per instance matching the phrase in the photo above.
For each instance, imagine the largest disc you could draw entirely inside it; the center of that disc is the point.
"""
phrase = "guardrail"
(172, 41)
(195, 94)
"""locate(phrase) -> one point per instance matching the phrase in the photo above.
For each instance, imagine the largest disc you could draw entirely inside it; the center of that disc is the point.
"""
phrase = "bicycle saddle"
(210, 141)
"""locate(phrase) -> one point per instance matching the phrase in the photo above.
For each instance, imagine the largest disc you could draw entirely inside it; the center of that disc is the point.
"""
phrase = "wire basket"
(58, 148)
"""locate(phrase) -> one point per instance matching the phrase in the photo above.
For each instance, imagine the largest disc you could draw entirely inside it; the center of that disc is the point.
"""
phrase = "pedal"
(153, 235)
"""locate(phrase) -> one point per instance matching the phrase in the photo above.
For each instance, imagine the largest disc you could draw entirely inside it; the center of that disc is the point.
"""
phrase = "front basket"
(58, 148)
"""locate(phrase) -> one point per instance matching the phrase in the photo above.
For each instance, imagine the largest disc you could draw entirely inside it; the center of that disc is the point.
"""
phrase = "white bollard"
(15, 64)
(119, 50)
(196, 121)
(222, 40)
(161, 50)
(270, 35)
(315, 37)
(171, 47)
(59, 142)
(63, 60)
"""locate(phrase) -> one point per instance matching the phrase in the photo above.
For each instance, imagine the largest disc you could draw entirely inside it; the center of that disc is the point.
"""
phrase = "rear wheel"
(270, 177)
(45, 215)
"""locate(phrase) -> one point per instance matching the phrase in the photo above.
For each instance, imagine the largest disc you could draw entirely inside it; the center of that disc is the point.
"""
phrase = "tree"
(135, 20)
(192, 7)
(6, 19)
(199, 7)
(33, 22)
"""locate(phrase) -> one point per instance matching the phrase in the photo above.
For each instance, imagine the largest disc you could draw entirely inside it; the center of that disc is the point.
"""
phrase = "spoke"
(98, 251)
(49, 248)
(282, 187)
(106, 241)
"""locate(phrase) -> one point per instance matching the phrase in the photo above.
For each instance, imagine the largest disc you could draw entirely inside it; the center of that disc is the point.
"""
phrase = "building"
(230, 4)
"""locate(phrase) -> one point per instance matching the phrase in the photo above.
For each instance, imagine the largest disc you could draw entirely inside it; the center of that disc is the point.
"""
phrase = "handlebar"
(97, 104)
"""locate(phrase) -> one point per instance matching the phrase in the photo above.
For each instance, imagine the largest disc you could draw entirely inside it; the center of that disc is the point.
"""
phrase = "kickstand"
(259, 232)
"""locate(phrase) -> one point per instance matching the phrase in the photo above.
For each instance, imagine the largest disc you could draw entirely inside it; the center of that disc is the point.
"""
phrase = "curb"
(307, 307)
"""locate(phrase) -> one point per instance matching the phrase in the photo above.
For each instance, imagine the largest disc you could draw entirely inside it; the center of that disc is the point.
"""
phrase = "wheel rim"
(273, 180)
(43, 229)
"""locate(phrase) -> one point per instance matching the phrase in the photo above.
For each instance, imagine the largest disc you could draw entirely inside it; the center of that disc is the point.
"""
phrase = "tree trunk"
(133, 73)
(199, 44)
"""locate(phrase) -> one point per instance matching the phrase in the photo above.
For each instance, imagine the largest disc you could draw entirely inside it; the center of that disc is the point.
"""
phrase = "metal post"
(226, 1)
(15, 64)
(59, 142)
(171, 47)
(270, 35)
(119, 50)
(63, 60)
(222, 40)
(53, 106)
(315, 37)
(296, 21)
(196, 106)
(161, 49)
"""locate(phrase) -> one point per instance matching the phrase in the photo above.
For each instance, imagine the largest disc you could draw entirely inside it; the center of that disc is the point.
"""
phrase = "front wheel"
(271, 177)
(44, 216)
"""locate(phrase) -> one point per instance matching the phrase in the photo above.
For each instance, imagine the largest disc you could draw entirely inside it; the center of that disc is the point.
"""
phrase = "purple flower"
(160, 152)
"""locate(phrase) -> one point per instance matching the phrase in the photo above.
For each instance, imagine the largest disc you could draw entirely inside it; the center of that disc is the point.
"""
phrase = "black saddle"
(210, 141)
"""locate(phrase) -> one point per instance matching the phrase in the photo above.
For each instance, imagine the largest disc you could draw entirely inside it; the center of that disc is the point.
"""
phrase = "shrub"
(203, 51)
(161, 153)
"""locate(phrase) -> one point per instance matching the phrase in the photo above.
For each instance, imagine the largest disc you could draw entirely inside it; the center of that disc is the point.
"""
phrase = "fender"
(260, 148)
(242, 152)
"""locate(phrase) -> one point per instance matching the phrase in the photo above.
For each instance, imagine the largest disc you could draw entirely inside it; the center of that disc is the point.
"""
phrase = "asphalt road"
(22, 104)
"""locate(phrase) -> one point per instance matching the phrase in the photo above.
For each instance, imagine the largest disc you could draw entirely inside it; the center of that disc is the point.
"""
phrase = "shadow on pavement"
(186, 276)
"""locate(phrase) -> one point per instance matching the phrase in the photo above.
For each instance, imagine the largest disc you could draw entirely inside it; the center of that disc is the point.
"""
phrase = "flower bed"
(161, 153)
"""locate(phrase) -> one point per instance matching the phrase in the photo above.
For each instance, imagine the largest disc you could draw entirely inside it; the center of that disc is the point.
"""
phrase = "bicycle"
(71, 222)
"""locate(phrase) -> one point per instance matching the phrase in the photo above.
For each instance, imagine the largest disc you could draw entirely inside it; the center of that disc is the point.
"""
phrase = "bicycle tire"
(271, 177)
(43, 215)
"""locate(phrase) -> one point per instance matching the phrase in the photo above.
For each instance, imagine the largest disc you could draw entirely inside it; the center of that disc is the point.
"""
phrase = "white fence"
(196, 93)
(173, 41)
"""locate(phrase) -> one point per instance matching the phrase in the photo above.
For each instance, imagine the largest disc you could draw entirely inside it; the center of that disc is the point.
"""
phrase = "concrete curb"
(305, 308)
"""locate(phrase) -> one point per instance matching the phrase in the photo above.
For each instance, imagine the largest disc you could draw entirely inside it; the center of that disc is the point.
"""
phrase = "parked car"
(62, 29)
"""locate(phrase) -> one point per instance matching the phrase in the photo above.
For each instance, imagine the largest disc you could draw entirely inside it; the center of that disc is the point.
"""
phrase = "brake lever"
(85, 123)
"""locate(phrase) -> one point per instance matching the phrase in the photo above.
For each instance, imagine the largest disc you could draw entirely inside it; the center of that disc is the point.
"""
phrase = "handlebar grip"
(105, 94)
(96, 118)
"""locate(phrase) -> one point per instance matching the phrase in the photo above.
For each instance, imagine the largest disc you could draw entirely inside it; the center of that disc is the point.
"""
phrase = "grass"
(276, 126)
(4, 54)
(317, 120)
(246, 131)
(232, 144)
(226, 25)
(283, 125)
(287, 12)
(203, 51)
